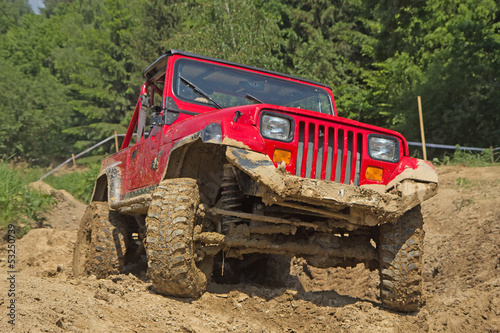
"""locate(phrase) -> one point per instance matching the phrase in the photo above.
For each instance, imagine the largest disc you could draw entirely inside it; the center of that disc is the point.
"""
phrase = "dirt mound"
(462, 281)
(66, 214)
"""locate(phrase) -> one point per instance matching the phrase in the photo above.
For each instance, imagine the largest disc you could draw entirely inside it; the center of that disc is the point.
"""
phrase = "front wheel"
(400, 255)
(170, 247)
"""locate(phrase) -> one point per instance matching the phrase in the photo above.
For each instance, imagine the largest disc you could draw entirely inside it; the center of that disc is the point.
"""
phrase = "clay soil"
(462, 281)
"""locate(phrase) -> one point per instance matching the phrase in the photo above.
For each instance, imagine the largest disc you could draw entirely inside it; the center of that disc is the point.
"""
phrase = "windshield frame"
(253, 78)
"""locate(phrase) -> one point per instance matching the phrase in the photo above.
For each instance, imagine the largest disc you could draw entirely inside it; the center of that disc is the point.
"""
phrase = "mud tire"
(400, 254)
(169, 242)
(101, 243)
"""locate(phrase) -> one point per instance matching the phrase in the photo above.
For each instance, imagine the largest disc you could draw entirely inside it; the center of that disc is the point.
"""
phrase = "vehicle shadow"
(277, 278)
(278, 284)
(324, 298)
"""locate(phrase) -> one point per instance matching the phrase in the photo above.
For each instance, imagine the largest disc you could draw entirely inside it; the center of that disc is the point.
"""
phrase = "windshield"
(216, 85)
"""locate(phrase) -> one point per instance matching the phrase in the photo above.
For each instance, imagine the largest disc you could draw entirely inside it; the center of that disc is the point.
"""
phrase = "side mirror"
(156, 109)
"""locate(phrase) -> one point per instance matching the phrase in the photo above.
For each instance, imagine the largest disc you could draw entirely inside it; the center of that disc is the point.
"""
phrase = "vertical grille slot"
(340, 155)
(310, 150)
(348, 162)
(359, 153)
(329, 153)
(300, 150)
(321, 152)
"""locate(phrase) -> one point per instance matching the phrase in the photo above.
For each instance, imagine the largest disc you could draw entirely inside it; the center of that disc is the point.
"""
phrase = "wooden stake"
(422, 134)
(74, 160)
(116, 142)
(492, 155)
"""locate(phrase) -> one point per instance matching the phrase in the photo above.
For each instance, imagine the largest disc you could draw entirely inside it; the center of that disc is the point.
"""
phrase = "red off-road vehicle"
(228, 165)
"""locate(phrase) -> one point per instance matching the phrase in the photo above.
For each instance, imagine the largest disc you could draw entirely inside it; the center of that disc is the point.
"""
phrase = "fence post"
(116, 142)
(422, 127)
(74, 160)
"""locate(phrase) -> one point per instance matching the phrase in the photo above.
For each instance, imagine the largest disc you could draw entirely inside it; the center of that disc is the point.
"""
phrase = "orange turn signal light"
(373, 173)
(281, 155)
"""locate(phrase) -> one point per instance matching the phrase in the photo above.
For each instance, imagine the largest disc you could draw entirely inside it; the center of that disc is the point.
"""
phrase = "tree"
(73, 73)
(227, 29)
(12, 12)
(330, 42)
(97, 63)
(447, 52)
(32, 101)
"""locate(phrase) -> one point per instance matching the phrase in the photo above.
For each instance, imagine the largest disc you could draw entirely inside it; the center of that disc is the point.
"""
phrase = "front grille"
(328, 152)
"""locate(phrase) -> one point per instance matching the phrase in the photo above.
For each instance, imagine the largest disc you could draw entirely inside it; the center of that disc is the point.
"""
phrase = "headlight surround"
(276, 127)
(383, 148)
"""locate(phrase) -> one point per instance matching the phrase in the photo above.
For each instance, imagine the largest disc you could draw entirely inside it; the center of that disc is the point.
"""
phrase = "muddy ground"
(462, 281)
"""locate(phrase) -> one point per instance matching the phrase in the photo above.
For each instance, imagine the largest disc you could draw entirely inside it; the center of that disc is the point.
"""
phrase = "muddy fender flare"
(414, 169)
(108, 186)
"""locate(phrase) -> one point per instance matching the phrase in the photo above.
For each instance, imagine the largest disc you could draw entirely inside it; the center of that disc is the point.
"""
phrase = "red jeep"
(227, 166)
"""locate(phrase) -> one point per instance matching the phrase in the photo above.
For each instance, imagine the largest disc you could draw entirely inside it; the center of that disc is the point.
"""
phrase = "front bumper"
(351, 204)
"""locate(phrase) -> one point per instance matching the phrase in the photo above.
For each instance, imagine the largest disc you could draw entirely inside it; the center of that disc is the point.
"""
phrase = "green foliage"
(79, 184)
(33, 102)
(97, 64)
(462, 203)
(330, 42)
(70, 76)
(227, 29)
(448, 53)
(11, 13)
(93, 161)
(20, 204)
(467, 158)
(461, 181)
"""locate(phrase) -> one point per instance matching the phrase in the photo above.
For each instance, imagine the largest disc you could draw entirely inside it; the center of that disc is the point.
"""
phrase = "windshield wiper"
(200, 91)
(253, 98)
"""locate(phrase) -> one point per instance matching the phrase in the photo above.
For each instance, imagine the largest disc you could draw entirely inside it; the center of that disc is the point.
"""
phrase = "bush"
(467, 158)
(79, 184)
(20, 204)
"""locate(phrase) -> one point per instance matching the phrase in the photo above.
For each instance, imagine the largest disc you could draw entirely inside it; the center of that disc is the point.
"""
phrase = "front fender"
(222, 134)
(413, 169)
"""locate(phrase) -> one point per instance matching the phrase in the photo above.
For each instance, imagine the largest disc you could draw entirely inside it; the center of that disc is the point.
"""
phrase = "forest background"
(70, 74)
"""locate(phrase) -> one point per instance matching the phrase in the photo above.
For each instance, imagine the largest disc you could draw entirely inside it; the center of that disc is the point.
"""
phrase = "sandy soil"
(462, 281)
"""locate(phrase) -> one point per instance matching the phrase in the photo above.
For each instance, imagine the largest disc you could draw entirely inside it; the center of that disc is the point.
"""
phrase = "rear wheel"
(101, 242)
(172, 259)
(400, 254)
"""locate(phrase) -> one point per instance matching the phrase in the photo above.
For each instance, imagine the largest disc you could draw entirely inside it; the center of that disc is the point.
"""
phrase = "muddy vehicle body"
(228, 166)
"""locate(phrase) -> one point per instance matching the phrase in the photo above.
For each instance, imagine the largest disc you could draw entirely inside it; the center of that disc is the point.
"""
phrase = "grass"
(24, 206)
(79, 184)
(461, 181)
(459, 204)
(469, 159)
(19, 204)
